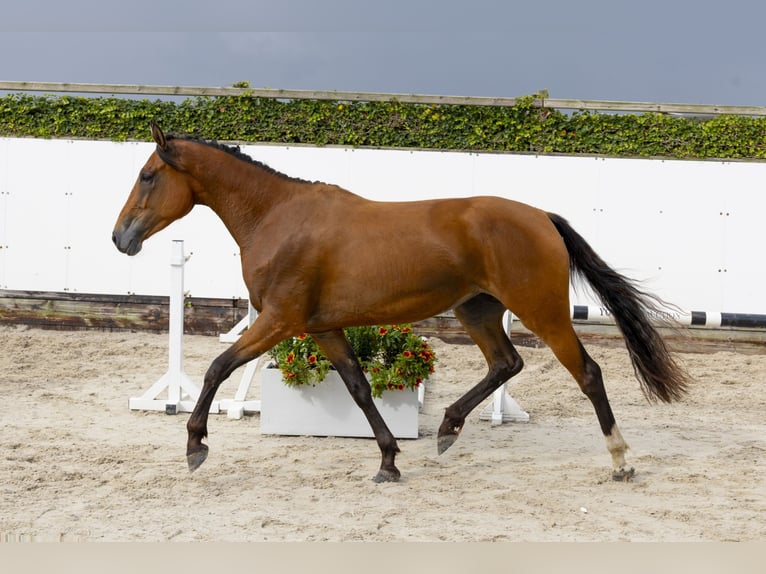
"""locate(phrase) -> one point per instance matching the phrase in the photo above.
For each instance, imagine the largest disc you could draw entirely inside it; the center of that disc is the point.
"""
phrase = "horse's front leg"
(338, 350)
(261, 336)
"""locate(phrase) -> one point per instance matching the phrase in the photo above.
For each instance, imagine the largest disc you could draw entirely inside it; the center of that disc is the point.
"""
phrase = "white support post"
(504, 408)
(182, 393)
(237, 407)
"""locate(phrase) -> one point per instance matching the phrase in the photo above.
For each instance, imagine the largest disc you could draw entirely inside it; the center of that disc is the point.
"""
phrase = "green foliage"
(393, 357)
(521, 128)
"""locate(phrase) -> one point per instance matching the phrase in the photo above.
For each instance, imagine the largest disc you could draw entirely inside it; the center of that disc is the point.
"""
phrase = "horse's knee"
(360, 392)
(215, 372)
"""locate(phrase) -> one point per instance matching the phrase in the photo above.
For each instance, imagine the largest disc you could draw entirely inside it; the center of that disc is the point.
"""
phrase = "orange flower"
(290, 358)
(407, 354)
(302, 337)
(312, 359)
(382, 331)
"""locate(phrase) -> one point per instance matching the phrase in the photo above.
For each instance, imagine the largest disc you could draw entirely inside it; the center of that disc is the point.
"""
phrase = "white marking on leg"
(617, 447)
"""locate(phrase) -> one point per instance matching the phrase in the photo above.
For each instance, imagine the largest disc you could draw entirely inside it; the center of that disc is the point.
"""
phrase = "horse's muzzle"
(127, 242)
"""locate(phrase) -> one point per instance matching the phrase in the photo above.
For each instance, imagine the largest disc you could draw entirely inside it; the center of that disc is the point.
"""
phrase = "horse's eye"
(146, 177)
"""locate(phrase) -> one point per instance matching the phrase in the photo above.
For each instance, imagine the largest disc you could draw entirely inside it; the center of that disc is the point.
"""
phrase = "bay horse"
(317, 258)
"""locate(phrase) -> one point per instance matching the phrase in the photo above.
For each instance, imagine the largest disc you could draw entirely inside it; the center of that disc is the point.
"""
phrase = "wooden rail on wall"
(143, 313)
(73, 311)
(149, 313)
(552, 103)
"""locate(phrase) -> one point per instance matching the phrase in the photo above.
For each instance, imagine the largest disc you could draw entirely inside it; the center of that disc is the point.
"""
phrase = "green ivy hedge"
(521, 128)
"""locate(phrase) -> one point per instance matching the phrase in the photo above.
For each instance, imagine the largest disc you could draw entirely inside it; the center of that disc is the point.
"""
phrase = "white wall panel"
(688, 229)
(96, 172)
(38, 206)
(4, 206)
(742, 273)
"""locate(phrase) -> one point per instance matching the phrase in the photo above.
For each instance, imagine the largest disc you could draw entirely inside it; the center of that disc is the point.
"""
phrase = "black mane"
(235, 151)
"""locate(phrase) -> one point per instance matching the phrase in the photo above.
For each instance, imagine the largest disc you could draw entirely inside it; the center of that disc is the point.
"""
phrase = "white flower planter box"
(327, 409)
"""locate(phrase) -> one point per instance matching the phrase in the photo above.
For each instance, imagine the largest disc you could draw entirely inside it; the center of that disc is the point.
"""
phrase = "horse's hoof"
(386, 476)
(444, 442)
(195, 459)
(623, 474)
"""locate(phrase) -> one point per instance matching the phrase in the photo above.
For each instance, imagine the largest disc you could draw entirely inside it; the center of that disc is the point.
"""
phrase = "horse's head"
(162, 193)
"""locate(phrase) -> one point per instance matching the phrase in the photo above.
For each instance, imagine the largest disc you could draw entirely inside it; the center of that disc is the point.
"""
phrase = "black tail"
(660, 376)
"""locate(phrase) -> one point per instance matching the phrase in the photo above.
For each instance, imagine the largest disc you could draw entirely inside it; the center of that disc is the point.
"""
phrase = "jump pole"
(694, 319)
(182, 393)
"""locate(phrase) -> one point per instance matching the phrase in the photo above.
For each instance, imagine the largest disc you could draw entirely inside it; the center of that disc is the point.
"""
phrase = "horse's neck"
(240, 194)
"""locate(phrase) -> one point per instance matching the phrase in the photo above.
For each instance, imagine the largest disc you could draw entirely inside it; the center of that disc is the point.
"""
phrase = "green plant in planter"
(393, 356)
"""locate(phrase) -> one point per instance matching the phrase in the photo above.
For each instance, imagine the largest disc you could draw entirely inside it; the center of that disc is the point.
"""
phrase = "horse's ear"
(159, 136)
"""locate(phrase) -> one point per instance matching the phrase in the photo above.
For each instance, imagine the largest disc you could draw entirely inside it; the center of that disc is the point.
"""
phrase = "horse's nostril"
(114, 238)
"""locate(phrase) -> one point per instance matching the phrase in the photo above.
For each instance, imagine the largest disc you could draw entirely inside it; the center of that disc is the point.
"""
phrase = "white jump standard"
(182, 393)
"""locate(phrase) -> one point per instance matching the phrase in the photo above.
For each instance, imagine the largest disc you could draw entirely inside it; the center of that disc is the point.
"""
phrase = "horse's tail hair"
(660, 376)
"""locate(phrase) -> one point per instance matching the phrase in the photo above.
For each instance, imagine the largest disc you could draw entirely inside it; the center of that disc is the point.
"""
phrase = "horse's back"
(497, 231)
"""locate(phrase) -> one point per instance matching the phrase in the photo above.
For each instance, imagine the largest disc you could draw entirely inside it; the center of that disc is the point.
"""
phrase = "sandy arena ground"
(77, 464)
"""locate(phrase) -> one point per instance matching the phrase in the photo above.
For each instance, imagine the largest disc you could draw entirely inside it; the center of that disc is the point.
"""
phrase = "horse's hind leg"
(482, 318)
(555, 328)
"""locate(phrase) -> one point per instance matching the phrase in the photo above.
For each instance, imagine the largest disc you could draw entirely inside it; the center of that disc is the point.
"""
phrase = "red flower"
(382, 331)
(312, 359)
(302, 337)
(290, 358)
(407, 354)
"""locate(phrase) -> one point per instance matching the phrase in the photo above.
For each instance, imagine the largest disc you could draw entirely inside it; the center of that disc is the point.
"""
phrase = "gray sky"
(644, 50)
